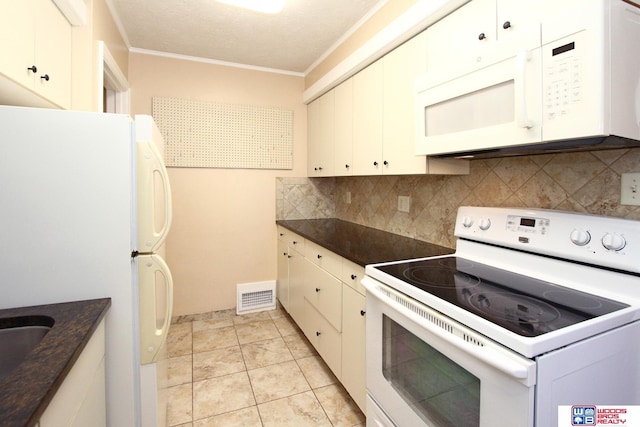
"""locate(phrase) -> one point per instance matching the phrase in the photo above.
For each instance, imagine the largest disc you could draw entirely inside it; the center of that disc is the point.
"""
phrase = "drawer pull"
(482, 36)
(295, 243)
(317, 289)
(362, 312)
(45, 77)
(33, 69)
(506, 25)
(318, 333)
(319, 256)
(353, 277)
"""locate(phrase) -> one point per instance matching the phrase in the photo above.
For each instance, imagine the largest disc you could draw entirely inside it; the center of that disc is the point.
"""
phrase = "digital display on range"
(527, 222)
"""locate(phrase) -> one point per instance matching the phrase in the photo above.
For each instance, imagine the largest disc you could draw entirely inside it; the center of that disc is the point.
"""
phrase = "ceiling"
(291, 41)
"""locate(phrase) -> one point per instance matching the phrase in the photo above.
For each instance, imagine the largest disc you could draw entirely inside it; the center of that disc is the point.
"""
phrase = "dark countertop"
(360, 244)
(28, 389)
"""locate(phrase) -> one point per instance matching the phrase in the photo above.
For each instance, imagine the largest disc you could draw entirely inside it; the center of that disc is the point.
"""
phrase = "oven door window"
(441, 392)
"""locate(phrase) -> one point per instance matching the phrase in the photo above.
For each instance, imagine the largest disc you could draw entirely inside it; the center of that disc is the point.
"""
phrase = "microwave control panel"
(563, 78)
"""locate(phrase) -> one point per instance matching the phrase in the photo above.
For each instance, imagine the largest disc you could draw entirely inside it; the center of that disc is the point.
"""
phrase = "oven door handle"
(520, 368)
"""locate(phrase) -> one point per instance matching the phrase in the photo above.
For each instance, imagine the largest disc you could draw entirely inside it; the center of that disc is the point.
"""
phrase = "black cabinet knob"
(33, 69)
(318, 333)
(353, 277)
(506, 25)
(481, 36)
(386, 163)
(45, 77)
(317, 289)
(346, 166)
(362, 312)
(319, 256)
(375, 163)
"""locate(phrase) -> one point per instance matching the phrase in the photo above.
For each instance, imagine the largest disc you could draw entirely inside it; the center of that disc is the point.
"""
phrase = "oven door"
(424, 369)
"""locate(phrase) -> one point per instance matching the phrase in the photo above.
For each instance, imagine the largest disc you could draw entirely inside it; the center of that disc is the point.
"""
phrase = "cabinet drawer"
(292, 239)
(326, 340)
(324, 292)
(324, 258)
(351, 274)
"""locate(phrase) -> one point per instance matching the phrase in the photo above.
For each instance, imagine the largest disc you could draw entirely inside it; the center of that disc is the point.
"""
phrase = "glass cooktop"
(524, 305)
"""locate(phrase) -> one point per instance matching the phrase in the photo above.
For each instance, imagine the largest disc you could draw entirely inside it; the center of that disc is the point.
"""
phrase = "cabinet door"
(53, 53)
(320, 140)
(367, 120)
(518, 24)
(343, 146)
(282, 282)
(353, 345)
(298, 268)
(463, 36)
(17, 39)
(401, 67)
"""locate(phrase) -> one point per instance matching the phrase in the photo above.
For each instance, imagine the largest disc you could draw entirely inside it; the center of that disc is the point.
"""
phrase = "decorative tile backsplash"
(586, 182)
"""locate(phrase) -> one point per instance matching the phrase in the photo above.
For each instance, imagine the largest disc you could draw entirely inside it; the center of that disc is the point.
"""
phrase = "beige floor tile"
(179, 407)
(180, 370)
(316, 371)
(216, 363)
(340, 408)
(212, 339)
(215, 323)
(222, 394)
(263, 353)
(286, 326)
(257, 331)
(251, 317)
(300, 410)
(299, 346)
(247, 417)
(179, 340)
(277, 381)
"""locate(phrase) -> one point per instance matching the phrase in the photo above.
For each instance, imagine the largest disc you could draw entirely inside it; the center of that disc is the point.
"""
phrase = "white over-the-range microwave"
(572, 82)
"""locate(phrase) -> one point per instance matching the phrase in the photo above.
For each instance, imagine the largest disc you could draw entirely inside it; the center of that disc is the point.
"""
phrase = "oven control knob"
(613, 241)
(580, 237)
(467, 221)
(484, 224)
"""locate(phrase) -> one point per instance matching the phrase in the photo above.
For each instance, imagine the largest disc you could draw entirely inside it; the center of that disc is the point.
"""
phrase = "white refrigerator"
(85, 205)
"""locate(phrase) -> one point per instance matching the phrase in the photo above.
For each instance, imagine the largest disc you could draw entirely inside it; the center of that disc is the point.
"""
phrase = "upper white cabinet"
(373, 121)
(321, 136)
(481, 28)
(35, 52)
(343, 136)
(368, 109)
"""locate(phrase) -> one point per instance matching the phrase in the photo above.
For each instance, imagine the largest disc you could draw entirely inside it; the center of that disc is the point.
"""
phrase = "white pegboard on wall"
(203, 134)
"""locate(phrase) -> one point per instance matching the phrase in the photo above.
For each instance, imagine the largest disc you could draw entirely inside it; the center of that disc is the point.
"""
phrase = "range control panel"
(598, 240)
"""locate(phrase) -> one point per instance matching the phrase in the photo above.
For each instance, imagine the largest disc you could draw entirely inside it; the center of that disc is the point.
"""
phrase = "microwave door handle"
(487, 355)
(520, 80)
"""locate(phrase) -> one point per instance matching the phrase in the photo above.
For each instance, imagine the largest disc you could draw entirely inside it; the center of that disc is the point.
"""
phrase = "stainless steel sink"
(17, 341)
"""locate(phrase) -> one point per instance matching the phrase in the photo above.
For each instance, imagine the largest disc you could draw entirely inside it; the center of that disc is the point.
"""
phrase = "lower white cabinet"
(353, 345)
(80, 400)
(324, 297)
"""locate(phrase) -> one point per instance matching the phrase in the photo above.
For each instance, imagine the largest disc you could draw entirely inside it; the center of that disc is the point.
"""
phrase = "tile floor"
(253, 370)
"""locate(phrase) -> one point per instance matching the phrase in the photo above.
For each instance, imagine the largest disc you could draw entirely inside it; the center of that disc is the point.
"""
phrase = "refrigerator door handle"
(155, 293)
(150, 171)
